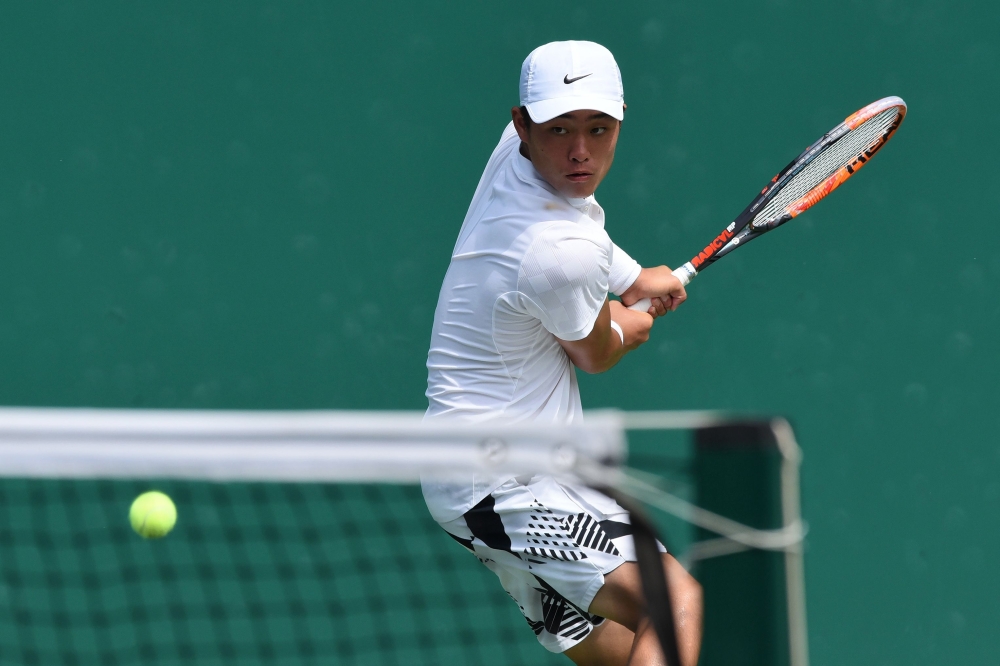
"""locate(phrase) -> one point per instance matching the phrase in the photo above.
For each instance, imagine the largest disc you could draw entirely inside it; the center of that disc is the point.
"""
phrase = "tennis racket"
(819, 170)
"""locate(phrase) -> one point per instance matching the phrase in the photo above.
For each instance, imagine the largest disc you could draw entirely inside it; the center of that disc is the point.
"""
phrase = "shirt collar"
(526, 170)
(582, 205)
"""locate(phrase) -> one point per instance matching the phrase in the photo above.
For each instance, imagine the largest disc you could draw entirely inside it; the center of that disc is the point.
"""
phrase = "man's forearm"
(600, 350)
(603, 348)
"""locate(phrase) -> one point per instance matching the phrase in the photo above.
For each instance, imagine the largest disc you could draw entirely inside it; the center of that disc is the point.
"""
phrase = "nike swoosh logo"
(568, 80)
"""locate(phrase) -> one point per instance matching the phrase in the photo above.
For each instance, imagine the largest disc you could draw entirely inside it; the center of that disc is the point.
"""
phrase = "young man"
(525, 300)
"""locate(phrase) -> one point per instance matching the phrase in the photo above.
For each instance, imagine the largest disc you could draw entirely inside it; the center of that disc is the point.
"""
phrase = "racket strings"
(826, 163)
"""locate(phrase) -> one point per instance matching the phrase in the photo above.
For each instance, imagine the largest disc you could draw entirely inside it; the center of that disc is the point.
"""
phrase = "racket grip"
(683, 273)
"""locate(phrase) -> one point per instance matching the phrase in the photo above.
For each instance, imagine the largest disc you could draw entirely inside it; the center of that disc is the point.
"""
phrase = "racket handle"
(683, 273)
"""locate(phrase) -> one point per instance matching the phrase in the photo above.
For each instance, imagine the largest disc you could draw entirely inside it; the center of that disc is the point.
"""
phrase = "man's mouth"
(579, 176)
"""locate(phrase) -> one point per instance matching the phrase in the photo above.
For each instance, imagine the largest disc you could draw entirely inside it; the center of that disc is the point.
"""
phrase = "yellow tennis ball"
(152, 515)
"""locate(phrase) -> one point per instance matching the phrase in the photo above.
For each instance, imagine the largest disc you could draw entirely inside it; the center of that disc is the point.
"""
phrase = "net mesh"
(827, 163)
(254, 573)
(304, 552)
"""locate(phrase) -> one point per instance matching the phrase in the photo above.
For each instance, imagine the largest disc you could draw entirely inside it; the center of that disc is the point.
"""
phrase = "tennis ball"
(152, 515)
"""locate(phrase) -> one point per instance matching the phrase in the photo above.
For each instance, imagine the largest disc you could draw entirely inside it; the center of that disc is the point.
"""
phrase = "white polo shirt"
(529, 266)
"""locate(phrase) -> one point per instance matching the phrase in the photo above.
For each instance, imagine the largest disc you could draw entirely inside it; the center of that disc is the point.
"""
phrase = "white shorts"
(550, 544)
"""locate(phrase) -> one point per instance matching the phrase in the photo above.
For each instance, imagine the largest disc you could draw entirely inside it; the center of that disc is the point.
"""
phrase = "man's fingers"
(677, 297)
(657, 307)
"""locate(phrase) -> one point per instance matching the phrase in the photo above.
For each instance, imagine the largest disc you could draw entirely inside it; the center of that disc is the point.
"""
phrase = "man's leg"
(628, 638)
(609, 644)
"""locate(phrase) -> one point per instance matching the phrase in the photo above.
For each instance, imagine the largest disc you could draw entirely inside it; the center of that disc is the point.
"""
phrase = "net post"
(749, 469)
(655, 587)
(791, 454)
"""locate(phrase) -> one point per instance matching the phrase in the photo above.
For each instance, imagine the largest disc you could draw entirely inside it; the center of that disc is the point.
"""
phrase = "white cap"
(560, 77)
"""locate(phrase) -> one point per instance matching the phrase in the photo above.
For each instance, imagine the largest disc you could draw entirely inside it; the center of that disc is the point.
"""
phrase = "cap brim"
(546, 110)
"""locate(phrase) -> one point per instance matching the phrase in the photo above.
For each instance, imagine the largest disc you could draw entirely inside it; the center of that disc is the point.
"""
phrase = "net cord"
(735, 536)
(292, 446)
(642, 487)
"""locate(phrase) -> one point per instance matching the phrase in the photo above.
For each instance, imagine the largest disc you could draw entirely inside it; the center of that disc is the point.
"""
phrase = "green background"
(251, 205)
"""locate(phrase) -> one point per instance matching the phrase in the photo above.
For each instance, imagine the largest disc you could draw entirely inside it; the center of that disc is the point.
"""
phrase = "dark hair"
(526, 117)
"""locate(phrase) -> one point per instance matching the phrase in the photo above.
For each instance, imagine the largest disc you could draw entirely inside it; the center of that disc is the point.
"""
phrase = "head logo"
(866, 154)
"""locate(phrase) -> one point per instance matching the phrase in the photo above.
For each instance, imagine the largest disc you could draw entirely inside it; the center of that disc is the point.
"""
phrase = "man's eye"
(599, 130)
(559, 130)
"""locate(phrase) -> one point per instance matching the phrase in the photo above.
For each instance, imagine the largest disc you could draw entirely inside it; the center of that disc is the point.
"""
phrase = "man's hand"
(602, 349)
(635, 325)
(660, 286)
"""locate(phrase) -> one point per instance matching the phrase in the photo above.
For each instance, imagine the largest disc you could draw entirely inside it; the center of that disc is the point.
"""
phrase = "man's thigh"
(621, 598)
(609, 644)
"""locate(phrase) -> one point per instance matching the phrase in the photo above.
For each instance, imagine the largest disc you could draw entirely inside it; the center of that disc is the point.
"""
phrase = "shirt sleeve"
(624, 271)
(564, 279)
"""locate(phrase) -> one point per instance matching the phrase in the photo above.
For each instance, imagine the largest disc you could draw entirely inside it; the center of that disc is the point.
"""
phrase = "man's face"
(572, 152)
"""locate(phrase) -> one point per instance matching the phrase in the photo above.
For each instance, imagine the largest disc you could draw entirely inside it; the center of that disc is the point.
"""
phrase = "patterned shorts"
(550, 544)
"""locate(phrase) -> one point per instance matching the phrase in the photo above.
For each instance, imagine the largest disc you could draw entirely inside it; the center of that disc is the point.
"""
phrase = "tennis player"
(525, 299)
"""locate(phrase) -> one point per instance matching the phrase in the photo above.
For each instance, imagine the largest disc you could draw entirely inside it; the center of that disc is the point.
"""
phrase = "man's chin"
(578, 190)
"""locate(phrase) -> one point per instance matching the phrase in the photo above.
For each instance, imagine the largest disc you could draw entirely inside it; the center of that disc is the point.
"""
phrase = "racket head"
(868, 129)
(809, 178)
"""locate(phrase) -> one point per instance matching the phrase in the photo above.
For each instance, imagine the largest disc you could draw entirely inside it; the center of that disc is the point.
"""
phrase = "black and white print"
(549, 537)
(588, 533)
(550, 546)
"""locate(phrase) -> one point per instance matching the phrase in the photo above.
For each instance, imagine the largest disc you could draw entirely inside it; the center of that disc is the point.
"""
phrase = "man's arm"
(603, 348)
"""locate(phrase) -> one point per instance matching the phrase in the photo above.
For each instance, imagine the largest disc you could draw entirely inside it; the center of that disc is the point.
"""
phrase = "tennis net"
(302, 538)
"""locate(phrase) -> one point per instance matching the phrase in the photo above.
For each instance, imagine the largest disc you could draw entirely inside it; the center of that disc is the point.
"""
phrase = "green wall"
(252, 204)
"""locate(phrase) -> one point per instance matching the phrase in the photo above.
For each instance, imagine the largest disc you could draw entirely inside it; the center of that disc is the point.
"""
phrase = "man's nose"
(578, 151)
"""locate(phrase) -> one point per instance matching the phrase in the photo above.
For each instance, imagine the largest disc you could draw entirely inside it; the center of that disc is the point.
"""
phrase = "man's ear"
(519, 126)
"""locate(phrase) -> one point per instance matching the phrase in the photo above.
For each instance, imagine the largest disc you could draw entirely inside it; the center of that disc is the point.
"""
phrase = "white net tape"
(357, 447)
(827, 163)
(291, 446)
